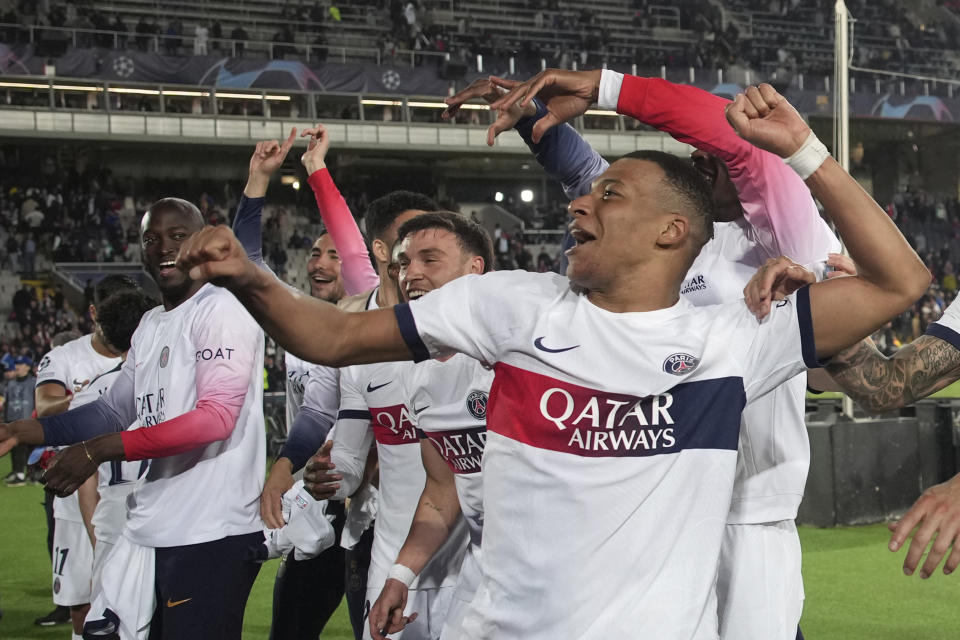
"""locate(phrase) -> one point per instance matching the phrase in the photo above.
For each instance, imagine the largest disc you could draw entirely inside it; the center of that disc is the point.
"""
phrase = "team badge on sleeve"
(680, 364)
(477, 404)
(43, 364)
(164, 357)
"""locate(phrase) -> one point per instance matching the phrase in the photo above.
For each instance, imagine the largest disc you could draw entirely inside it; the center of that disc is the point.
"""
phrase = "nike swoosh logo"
(371, 388)
(171, 603)
(538, 343)
(417, 412)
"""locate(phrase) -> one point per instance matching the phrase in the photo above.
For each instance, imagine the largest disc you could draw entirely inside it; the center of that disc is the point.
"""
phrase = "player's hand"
(314, 158)
(278, 483)
(565, 94)
(764, 118)
(386, 614)
(775, 280)
(935, 515)
(840, 266)
(486, 89)
(268, 156)
(214, 255)
(319, 479)
(7, 438)
(68, 470)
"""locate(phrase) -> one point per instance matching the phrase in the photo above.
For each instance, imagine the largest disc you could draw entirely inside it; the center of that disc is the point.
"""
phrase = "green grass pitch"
(854, 586)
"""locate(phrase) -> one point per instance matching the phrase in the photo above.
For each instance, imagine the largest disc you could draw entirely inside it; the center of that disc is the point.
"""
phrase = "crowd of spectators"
(892, 35)
(37, 316)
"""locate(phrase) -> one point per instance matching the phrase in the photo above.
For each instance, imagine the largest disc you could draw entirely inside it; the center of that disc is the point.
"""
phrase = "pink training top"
(358, 272)
(776, 202)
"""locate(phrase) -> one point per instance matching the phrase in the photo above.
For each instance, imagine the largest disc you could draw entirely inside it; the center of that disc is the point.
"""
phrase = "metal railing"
(163, 43)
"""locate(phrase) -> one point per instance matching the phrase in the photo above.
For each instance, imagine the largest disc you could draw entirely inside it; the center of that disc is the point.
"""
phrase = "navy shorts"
(202, 589)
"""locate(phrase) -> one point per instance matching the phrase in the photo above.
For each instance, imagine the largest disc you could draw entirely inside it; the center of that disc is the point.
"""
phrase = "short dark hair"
(177, 204)
(110, 285)
(119, 315)
(472, 237)
(687, 183)
(384, 210)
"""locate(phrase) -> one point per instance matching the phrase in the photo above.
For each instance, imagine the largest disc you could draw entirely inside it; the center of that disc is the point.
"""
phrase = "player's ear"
(674, 230)
(93, 313)
(380, 250)
(475, 265)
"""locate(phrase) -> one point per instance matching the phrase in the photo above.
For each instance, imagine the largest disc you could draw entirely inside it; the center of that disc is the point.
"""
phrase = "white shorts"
(431, 605)
(100, 554)
(759, 583)
(72, 563)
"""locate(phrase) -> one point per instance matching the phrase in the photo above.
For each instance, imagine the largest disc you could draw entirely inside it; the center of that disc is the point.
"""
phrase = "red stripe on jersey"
(550, 414)
(392, 425)
(461, 449)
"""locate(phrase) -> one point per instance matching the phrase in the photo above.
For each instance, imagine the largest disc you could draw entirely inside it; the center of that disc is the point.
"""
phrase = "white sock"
(76, 636)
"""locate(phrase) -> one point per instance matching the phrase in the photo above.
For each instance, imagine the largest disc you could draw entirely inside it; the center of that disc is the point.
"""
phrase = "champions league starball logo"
(680, 364)
(123, 67)
(391, 80)
(477, 404)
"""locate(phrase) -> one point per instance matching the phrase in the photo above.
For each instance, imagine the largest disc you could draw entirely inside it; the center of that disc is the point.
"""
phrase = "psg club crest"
(477, 404)
(680, 364)
(164, 357)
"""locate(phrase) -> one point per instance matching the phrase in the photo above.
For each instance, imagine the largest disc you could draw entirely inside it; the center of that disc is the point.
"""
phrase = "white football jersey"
(449, 401)
(948, 326)
(775, 450)
(298, 371)
(611, 445)
(74, 365)
(373, 407)
(116, 479)
(210, 342)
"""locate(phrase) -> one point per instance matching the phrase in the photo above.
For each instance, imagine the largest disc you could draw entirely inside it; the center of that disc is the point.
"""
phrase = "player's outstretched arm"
(891, 277)
(292, 318)
(436, 515)
(934, 517)
(878, 383)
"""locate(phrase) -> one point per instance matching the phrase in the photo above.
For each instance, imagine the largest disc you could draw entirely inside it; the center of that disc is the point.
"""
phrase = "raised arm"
(291, 317)
(891, 275)
(358, 272)
(268, 156)
(775, 200)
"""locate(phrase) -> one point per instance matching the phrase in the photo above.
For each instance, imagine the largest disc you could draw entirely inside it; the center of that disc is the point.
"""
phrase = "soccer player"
(117, 318)
(307, 592)
(615, 410)
(449, 403)
(62, 374)
(192, 382)
(763, 210)
(373, 408)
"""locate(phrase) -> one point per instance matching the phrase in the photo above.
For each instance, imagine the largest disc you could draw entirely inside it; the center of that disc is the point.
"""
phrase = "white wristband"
(808, 158)
(403, 574)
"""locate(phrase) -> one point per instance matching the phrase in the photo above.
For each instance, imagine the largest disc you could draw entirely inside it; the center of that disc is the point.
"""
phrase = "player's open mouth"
(321, 280)
(166, 268)
(580, 236)
(416, 293)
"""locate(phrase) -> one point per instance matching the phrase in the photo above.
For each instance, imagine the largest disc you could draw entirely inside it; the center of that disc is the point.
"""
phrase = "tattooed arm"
(879, 384)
